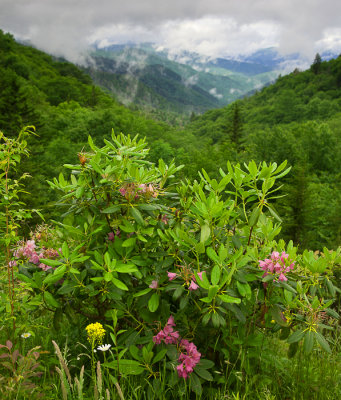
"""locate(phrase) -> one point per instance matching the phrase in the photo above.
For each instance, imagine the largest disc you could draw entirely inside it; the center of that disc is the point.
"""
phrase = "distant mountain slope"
(196, 85)
(153, 85)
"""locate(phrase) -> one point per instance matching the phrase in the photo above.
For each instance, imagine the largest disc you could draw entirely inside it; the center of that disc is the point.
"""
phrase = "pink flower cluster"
(192, 285)
(189, 355)
(131, 191)
(188, 359)
(167, 334)
(28, 251)
(277, 265)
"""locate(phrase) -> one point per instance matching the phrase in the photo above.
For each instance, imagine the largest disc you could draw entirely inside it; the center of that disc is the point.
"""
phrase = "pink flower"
(34, 258)
(193, 286)
(164, 219)
(143, 187)
(171, 275)
(277, 266)
(189, 358)
(167, 334)
(154, 285)
(123, 191)
(157, 339)
(111, 236)
(44, 267)
(200, 274)
(12, 264)
(181, 371)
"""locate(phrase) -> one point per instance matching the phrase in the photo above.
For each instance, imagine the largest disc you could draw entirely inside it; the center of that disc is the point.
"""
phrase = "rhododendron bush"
(191, 270)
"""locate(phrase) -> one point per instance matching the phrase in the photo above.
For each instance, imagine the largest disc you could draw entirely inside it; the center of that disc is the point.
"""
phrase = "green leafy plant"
(136, 251)
(18, 371)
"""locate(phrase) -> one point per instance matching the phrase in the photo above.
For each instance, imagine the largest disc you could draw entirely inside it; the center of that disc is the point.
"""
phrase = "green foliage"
(21, 370)
(134, 251)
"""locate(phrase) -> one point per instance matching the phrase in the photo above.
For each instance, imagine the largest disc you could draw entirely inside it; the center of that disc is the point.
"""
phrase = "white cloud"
(214, 93)
(192, 80)
(217, 27)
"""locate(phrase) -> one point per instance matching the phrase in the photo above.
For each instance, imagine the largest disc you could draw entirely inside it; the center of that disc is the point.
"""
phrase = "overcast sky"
(214, 28)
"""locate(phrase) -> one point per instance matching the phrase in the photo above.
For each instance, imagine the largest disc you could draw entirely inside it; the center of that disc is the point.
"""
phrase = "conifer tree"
(237, 124)
(316, 65)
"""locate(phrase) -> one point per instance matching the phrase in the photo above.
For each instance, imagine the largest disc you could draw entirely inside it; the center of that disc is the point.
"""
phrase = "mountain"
(152, 85)
(185, 83)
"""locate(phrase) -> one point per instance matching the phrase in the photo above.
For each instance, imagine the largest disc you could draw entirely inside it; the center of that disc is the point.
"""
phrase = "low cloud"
(214, 93)
(218, 28)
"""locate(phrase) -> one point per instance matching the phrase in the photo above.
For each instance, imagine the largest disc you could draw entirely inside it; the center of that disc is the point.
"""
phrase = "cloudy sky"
(210, 27)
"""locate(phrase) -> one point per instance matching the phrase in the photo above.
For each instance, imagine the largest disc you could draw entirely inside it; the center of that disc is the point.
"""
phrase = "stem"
(10, 273)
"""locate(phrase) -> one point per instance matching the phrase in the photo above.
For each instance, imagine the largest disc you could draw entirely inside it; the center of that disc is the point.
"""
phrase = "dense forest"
(298, 119)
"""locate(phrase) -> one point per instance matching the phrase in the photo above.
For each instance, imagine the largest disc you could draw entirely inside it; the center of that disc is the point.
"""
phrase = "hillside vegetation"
(149, 279)
(296, 119)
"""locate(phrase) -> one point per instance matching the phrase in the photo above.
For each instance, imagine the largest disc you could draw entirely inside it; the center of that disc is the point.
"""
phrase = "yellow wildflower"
(95, 333)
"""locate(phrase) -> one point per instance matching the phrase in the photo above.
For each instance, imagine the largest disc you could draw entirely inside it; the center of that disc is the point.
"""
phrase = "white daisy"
(26, 335)
(105, 347)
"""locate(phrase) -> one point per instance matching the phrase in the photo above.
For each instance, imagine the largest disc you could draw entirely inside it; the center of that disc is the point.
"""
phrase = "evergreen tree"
(316, 65)
(237, 124)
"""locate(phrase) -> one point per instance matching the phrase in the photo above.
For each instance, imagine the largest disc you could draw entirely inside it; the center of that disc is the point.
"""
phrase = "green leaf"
(212, 291)
(107, 276)
(160, 355)
(50, 263)
(215, 320)
(148, 207)
(111, 209)
(203, 373)
(288, 287)
(274, 214)
(229, 299)
(50, 300)
(142, 292)
(254, 216)
(126, 367)
(203, 283)
(308, 341)
(129, 242)
(134, 351)
(205, 364)
(295, 337)
(322, 342)
(65, 250)
(137, 216)
(331, 287)
(268, 278)
(26, 279)
(215, 275)
(126, 268)
(119, 284)
(196, 384)
(212, 255)
(206, 299)
(205, 233)
(153, 302)
(241, 289)
(52, 278)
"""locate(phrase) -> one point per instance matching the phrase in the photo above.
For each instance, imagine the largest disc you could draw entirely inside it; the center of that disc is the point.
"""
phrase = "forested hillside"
(65, 107)
(297, 119)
